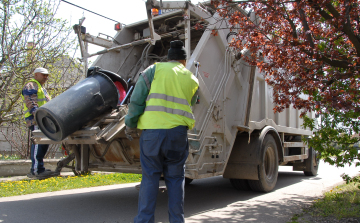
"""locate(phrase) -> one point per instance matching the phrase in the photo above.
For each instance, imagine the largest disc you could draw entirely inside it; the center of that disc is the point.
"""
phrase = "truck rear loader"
(236, 134)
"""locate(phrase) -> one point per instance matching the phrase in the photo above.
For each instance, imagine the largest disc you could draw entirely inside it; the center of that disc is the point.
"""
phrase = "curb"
(22, 167)
(18, 178)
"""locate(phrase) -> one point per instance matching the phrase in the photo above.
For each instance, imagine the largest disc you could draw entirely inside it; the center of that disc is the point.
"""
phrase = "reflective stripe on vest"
(147, 82)
(170, 110)
(166, 109)
(41, 100)
(168, 98)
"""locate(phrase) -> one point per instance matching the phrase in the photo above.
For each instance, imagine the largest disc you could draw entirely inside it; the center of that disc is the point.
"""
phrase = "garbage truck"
(236, 135)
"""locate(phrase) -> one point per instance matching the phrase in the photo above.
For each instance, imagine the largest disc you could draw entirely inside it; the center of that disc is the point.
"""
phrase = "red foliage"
(214, 32)
(198, 26)
(311, 47)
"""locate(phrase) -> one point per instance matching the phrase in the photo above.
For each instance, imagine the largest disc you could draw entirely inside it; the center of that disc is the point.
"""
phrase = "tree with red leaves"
(312, 48)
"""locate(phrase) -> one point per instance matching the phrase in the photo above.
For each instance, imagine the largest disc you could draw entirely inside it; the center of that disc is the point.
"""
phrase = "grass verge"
(340, 203)
(8, 157)
(22, 187)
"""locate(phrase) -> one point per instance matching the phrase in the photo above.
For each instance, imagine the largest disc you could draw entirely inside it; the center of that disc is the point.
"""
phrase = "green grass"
(8, 157)
(22, 187)
(341, 202)
(294, 218)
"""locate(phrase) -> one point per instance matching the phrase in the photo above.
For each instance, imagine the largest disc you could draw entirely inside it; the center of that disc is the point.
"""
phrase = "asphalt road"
(206, 200)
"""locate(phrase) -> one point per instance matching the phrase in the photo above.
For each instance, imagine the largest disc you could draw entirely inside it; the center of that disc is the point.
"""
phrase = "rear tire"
(312, 163)
(240, 184)
(268, 169)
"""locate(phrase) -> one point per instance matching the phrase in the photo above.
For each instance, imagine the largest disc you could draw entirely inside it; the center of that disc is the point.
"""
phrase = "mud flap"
(246, 171)
(244, 159)
(299, 166)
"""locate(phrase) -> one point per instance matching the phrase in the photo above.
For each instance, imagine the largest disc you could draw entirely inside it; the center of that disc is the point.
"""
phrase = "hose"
(104, 153)
(126, 156)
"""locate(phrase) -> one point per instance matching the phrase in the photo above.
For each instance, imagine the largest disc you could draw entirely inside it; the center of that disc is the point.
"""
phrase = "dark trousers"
(162, 151)
(37, 154)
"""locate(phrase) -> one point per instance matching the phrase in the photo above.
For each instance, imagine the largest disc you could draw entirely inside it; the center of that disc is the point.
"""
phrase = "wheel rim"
(269, 163)
(315, 159)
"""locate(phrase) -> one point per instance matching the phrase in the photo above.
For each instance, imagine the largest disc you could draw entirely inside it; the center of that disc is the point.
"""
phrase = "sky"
(123, 11)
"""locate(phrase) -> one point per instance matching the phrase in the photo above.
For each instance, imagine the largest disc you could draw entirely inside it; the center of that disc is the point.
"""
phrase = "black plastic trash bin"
(81, 103)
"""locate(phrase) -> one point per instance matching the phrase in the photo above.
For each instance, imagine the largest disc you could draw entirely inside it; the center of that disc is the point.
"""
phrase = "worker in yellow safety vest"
(35, 95)
(160, 106)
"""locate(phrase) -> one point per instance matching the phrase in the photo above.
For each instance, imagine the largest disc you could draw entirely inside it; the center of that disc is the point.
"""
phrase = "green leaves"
(335, 137)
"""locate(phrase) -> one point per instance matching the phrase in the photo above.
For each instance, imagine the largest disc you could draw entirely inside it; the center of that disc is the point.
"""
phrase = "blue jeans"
(162, 151)
(37, 154)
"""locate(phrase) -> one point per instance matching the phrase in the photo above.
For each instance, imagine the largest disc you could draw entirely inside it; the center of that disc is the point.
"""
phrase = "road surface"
(206, 200)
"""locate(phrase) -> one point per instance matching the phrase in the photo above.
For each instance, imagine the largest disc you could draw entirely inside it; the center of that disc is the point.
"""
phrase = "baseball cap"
(41, 70)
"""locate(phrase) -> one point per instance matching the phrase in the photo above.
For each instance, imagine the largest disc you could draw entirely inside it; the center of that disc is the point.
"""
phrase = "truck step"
(295, 157)
(294, 144)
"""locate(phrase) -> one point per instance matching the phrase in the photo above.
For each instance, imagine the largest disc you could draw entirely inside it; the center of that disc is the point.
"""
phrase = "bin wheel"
(312, 163)
(268, 170)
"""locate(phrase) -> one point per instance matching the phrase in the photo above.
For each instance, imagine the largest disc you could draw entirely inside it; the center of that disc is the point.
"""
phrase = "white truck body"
(234, 119)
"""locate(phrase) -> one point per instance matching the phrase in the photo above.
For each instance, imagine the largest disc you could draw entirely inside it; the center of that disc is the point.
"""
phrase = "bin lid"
(113, 76)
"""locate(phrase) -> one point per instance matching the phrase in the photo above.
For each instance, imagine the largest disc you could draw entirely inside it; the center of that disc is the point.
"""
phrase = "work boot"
(46, 174)
(31, 175)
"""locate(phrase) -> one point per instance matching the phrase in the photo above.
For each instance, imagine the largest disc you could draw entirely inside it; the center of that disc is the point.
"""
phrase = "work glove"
(129, 132)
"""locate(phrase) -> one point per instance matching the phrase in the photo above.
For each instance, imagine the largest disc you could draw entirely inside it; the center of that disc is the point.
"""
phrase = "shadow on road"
(120, 205)
(204, 199)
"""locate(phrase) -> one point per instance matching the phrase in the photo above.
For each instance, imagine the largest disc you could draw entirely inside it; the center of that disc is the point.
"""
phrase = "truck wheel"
(268, 169)
(312, 163)
(188, 181)
(240, 184)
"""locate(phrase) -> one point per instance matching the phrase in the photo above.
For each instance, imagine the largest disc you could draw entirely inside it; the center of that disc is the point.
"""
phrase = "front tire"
(268, 169)
(311, 163)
